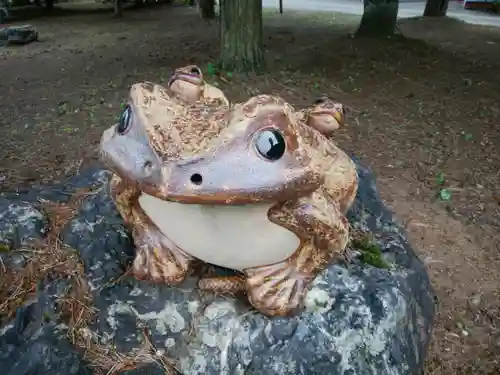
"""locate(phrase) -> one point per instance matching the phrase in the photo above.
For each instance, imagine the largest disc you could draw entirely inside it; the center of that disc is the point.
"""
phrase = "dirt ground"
(425, 116)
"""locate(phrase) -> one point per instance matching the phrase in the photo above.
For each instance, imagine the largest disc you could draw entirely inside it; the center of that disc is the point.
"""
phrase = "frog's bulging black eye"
(320, 101)
(125, 120)
(270, 144)
(195, 71)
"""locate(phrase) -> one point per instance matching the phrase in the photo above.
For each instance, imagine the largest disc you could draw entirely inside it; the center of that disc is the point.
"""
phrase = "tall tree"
(117, 8)
(436, 8)
(207, 9)
(379, 18)
(241, 35)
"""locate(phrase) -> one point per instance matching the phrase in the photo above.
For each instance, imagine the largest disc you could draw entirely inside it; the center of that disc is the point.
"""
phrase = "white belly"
(236, 237)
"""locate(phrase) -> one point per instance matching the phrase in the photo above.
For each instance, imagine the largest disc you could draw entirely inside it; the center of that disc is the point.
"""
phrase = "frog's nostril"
(196, 179)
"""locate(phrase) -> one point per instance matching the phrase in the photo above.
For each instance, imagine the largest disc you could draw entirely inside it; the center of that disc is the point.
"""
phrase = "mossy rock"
(370, 252)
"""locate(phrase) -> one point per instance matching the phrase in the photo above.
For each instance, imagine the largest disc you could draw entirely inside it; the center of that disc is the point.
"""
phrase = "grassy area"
(424, 115)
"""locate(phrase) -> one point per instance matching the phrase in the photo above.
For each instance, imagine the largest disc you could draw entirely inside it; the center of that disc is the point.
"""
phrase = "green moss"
(46, 317)
(4, 248)
(370, 252)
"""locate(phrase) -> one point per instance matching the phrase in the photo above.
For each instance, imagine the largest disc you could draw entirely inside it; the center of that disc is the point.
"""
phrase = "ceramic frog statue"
(253, 187)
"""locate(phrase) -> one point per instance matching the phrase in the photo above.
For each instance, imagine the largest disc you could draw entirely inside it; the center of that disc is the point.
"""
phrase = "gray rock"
(18, 34)
(33, 343)
(99, 234)
(358, 319)
(20, 223)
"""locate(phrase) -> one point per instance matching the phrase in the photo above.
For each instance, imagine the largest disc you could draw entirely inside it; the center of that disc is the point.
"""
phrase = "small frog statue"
(188, 84)
(254, 187)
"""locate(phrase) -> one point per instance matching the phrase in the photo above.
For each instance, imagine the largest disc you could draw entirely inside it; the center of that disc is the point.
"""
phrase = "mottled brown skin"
(189, 84)
(310, 187)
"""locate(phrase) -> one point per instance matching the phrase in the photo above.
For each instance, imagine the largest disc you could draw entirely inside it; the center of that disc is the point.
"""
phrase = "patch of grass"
(370, 251)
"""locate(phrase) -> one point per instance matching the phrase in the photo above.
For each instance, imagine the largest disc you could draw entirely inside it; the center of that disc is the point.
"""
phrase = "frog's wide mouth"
(187, 77)
(198, 191)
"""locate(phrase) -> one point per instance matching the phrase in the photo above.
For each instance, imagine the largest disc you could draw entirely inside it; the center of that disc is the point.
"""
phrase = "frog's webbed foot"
(157, 258)
(279, 289)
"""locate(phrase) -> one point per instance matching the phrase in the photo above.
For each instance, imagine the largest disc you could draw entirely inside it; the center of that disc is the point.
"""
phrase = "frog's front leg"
(157, 258)
(123, 194)
(278, 289)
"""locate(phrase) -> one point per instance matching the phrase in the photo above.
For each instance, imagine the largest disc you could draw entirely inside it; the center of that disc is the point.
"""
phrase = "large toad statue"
(253, 187)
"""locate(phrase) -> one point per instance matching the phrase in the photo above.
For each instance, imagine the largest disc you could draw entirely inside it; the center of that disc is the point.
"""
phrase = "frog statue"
(252, 187)
(188, 84)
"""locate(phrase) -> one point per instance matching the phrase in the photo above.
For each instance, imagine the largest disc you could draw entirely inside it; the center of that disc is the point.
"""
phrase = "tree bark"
(118, 8)
(436, 8)
(3, 15)
(207, 9)
(241, 35)
(379, 18)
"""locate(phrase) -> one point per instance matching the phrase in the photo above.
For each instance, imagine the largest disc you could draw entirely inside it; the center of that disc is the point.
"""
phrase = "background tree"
(241, 35)
(436, 8)
(207, 8)
(379, 18)
(118, 8)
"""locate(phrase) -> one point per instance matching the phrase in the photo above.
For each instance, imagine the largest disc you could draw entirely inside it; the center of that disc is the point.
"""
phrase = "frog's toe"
(278, 292)
(159, 265)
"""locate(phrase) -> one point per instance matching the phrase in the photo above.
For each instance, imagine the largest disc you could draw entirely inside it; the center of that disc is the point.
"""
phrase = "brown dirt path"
(423, 105)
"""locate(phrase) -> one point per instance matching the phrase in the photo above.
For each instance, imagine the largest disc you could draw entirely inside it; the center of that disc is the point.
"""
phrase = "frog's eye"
(195, 71)
(125, 120)
(320, 101)
(270, 144)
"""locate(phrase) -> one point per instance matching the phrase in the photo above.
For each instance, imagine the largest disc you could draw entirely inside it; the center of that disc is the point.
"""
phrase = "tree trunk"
(241, 35)
(49, 4)
(207, 9)
(118, 8)
(3, 15)
(436, 8)
(379, 18)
